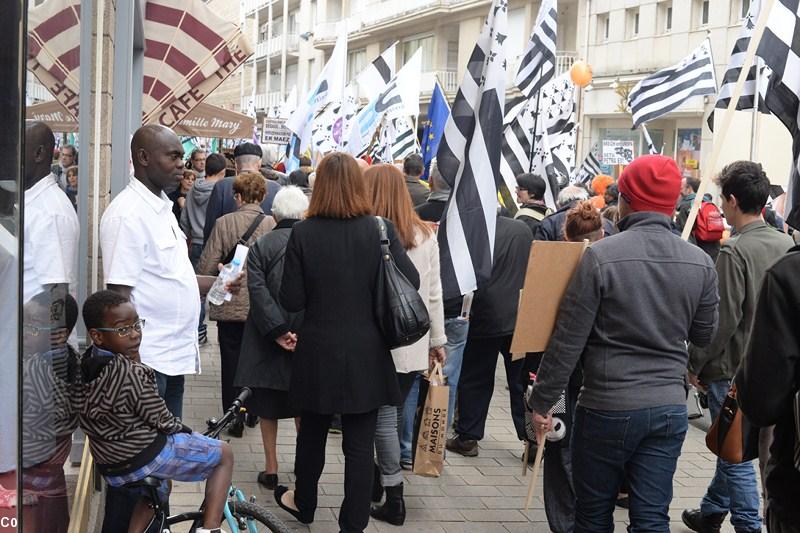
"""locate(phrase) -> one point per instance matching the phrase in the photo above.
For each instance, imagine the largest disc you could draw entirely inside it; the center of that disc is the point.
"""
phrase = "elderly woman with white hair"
(265, 360)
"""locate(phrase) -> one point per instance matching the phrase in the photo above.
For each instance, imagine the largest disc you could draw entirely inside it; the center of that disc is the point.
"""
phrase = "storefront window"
(688, 151)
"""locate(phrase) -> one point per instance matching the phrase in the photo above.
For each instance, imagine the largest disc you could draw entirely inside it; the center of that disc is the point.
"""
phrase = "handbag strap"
(244, 238)
(384, 236)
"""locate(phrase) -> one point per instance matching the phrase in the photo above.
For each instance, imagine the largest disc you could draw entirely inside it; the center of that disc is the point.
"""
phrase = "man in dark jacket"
(221, 202)
(768, 382)
(632, 302)
(413, 168)
(740, 266)
(552, 227)
(433, 209)
(530, 195)
(494, 315)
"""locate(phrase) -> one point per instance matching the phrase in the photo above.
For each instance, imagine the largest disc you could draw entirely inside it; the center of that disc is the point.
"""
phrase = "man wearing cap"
(530, 195)
(634, 301)
(247, 157)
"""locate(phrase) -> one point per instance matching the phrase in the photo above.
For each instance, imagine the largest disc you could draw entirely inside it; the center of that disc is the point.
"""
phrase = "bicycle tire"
(249, 510)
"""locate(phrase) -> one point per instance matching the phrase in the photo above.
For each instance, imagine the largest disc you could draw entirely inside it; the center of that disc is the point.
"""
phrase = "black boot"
(377, 486)
(394, 509)
(703, 523)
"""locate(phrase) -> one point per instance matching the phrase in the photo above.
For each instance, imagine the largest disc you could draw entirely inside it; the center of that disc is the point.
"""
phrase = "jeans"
(358, 444)
(734, 487)
(171, 389)
(642, 445)
(456, 331)
(387, 440)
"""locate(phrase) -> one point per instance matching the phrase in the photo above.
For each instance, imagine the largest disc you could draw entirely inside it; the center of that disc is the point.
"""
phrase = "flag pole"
(535, 126)
(727, 117)
(754, 124)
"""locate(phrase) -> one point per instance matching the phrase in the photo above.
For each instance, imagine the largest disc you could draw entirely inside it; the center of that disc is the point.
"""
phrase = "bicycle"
(239, 514)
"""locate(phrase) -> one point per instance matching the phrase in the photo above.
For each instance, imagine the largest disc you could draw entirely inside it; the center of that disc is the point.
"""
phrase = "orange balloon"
(581, 73)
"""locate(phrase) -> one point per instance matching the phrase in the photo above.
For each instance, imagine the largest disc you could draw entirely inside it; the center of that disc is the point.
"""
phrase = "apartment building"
(626, 41)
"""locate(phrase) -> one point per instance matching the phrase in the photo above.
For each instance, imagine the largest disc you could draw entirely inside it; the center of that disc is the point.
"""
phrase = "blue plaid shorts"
(185, 457)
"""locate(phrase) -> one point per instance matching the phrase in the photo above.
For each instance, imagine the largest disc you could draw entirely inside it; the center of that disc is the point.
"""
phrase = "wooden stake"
(727, 117)
(537, 464)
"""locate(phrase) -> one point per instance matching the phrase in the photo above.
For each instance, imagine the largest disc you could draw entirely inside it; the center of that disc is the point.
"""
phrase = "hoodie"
(193, 217)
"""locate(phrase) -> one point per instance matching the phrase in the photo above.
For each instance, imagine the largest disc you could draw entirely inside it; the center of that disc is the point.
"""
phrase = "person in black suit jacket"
(341, 362)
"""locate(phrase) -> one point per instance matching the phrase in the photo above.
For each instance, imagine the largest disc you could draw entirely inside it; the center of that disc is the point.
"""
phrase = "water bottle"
(217, 295)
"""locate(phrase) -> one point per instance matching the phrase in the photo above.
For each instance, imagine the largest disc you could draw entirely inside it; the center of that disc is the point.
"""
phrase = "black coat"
(552, 227)
(494, 307)
(341, 364)
(262, 362)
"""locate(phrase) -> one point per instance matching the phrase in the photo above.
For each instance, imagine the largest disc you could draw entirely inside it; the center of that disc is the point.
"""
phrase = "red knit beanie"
(651, 183)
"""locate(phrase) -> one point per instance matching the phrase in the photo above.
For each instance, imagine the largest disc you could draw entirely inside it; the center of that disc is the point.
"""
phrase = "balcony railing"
(274, 46)
(255, 5)
(448, 79)
(35, 91)
(264, 101)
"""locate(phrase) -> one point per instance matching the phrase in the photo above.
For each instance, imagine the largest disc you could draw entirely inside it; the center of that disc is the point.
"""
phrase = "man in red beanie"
(634, 301)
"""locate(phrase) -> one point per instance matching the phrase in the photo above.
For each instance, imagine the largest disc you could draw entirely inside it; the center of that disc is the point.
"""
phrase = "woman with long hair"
(391, 200)
(341, 362)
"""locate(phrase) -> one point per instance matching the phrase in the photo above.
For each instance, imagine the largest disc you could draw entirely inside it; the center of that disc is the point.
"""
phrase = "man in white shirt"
(51, 224)
(145, 258)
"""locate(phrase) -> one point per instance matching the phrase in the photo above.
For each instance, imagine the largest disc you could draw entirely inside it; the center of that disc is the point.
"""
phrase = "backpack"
(709, 225)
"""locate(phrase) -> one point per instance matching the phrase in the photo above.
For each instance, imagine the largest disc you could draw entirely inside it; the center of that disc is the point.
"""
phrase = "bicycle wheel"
(250, 514)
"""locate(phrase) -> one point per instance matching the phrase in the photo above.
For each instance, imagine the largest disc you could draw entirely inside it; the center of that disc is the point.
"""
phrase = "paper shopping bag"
(432, 434)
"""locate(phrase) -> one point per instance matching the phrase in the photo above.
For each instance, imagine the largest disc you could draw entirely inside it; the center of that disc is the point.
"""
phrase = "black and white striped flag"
(404, 138)
(374, 78)
(588, 170)
(746, 100)
(538, 64)
(469, 160)
(660, 93)
(779, 48)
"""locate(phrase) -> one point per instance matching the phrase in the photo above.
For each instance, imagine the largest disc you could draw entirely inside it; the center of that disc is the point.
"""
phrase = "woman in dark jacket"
(341, 363)
(265, 360)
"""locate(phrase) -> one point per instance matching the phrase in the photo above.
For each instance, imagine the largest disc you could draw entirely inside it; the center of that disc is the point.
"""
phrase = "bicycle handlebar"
(215, 427)
(243, 396)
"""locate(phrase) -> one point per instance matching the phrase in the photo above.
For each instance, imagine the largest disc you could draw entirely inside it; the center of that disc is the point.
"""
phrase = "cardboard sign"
(617, 152)
(274, 131)
(550, 269)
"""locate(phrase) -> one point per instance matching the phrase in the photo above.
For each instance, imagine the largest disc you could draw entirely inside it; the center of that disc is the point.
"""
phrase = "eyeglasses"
(125, 331)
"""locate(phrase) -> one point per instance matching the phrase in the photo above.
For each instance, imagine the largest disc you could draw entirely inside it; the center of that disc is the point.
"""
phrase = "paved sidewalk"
(480, 494)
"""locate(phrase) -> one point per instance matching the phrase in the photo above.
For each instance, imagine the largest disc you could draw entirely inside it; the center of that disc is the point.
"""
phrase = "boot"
(377, 487)
(394, 510)
(703, 523)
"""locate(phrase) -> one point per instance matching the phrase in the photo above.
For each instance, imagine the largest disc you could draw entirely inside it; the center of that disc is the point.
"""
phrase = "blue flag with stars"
(438, 112)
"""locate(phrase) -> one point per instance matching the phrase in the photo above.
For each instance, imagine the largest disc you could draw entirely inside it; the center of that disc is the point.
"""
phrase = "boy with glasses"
(131, 432)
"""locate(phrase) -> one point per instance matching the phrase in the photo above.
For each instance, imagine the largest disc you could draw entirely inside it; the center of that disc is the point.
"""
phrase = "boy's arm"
(150, 407)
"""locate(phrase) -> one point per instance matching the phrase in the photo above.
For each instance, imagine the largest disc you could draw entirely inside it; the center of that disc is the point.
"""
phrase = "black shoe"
(703, 523)
(303, 518)
(394, 510)
(268, 481)
(236, 429)
(336, 425)
(377, 487)
(467, 448)
(250, 420)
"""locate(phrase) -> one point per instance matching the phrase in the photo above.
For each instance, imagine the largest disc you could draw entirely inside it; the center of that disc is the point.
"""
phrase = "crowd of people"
(646, 317)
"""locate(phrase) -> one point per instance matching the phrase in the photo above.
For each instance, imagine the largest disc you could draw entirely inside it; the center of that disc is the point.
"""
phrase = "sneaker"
(202, 335)
(406, 464)
(703, 523)
(465, 447)
(336, 425)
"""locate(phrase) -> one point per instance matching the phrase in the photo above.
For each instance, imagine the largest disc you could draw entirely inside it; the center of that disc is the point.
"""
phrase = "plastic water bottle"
(217, 295)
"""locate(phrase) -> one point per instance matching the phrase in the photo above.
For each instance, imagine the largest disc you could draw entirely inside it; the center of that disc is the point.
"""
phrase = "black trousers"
(476, 386)
(229, 335)
(358, 445)
(777, 525)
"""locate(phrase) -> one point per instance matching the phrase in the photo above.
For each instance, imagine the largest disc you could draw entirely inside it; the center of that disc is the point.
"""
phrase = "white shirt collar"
(159, 204)
(42, 185)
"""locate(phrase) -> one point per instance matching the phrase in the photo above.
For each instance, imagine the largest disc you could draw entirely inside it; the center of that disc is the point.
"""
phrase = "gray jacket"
(634, 300)
(741, 265)
(193, 217)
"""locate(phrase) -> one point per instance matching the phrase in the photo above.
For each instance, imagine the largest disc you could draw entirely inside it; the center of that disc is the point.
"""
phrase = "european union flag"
(438, 113)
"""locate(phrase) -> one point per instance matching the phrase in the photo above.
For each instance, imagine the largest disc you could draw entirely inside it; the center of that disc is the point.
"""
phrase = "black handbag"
(244, 238)
(401, 314)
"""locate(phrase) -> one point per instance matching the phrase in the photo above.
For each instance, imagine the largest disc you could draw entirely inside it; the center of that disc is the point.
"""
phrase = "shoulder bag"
(244, 238)
(732, 437)
(402, 316)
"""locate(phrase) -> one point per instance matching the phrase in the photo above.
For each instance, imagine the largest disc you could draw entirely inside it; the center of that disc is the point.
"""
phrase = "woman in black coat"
(341, 363)
(265, 360)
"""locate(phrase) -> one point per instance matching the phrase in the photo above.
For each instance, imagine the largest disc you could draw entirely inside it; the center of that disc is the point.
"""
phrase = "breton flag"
(660, 93)
(403, 137)
(780, 50)
(438, 112)
(189, 52)
(538, 63)
(329, 87)
(746, 100)
(379, 73)
(589, 169)
(469, 160)
(517, 145)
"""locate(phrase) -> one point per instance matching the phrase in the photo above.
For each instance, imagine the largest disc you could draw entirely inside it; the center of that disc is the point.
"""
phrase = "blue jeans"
(642, 446)
(456, 331)
(171, 389)
(734, 487)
